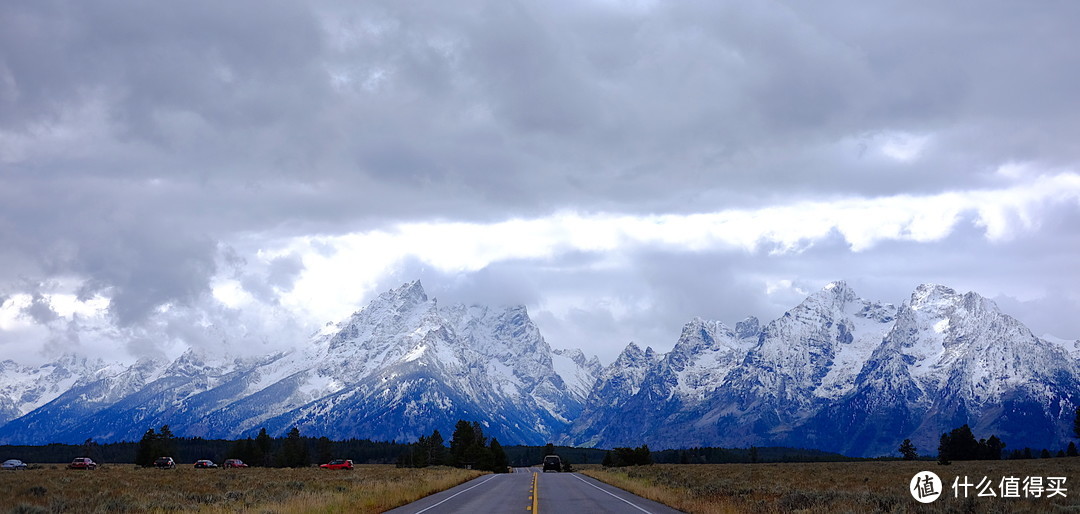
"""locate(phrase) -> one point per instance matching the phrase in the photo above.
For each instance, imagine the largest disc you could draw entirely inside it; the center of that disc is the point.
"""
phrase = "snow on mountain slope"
(837, 372)
(953, 359)
(578, 373)
(401, 354)
(23, 389)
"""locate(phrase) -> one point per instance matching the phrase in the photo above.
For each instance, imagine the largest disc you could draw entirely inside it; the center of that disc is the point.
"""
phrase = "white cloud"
(333, 284)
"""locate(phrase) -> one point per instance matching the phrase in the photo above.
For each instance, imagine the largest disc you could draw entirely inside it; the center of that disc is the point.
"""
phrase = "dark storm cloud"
(40, 310)
(139, 140)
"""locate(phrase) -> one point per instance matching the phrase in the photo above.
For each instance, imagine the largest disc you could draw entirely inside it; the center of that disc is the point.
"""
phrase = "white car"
(13, 464)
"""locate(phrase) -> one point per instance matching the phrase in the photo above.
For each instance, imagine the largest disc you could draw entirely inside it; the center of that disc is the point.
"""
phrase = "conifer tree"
(499, 461)
(908, 451)
(145, 452)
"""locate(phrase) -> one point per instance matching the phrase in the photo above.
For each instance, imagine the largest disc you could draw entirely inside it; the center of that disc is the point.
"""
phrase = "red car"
(337, 464)
(234, 463)
(82, 463)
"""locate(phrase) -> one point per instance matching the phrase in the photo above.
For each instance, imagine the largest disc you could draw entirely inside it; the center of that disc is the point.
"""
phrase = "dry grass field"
(126, 488)
(836, 487)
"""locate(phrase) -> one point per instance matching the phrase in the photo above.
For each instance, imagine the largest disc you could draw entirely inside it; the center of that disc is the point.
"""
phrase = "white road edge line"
(624, 500)
(459, 492)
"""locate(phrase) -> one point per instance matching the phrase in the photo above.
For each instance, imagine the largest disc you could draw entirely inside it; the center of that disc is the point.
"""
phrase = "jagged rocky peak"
(934, 298)
(634, 357)
(953, 313)
(404, 298)
(835, 295)
(699, 336)
(385, 316)
(748, 328)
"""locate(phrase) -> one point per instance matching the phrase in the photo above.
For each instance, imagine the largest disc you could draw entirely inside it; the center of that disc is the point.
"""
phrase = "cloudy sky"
(191, 173)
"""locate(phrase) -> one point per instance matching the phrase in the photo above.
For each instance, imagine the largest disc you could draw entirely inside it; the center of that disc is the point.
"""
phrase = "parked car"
(234, 463)
(164, 463)
(552, 462)
(82, 463)
(337, 464)
(202, 464)
(15, 464)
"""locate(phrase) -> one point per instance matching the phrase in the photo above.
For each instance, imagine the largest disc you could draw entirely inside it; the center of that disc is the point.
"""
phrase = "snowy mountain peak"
(928, 297)
(748, 328)
(834, 295)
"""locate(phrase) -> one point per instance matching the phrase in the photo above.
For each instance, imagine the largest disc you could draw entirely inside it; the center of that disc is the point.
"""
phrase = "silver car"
(13, 464)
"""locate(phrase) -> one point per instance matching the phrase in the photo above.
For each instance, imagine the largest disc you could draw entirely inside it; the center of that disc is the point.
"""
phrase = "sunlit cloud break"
(358, 260)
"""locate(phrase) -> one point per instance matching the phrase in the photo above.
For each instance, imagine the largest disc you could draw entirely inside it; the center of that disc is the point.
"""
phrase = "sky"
(235, 175)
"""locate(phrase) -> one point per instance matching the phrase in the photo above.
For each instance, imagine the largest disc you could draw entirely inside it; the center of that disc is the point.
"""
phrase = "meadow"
(127, 488)
(838, 487)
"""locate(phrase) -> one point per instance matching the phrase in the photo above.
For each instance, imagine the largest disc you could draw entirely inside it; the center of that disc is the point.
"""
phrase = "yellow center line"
(535, 507)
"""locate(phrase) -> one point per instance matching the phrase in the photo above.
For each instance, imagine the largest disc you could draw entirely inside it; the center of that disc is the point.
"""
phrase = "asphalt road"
(560, 493)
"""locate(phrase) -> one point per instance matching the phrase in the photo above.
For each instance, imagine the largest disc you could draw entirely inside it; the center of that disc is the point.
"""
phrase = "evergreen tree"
(420, 451)
(991, 450)
(294, 452)
(1027, 453)
(263, 449)
(608, 461)
(1044, 454)
(642, 456)
(1060, 454)
(324, 449)
(499, 462)
(943, 450)
(145, 453)
(166, 443)
(549, 449)
(1076, 423)
(1071, 450)
(753, 455)
(908, 450)
(436, 449)
(462, 439)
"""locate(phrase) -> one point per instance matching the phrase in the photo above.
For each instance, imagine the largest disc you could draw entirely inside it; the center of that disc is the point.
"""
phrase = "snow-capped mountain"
(397, 369)
(845, 374)
(837, 372)
(952, 359)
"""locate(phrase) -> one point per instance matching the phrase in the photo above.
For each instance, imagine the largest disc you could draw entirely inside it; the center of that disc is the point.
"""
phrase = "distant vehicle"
(202, 464)
(165, 463)
(14, 464)
(82, 463)
(337, 464)
(552, 462)
(234, 463)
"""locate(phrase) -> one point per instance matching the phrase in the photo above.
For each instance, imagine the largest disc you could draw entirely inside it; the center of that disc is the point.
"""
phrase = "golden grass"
(835, 487)
(126, 488)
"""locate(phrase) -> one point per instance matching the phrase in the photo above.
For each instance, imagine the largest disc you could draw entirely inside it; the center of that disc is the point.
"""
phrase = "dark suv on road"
(552, 462)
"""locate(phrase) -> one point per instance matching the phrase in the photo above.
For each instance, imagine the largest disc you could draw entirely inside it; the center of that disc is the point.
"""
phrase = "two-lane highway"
(530, 490)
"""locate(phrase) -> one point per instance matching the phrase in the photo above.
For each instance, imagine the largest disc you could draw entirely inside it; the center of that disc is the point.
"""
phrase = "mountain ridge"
(836, 372)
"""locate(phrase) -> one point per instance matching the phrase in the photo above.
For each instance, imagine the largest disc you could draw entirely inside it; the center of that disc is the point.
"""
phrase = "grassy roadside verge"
(125, 488)
(834, 487)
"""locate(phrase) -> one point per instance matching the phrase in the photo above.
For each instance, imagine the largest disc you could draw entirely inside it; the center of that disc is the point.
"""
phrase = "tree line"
(469, 448)
(262, 450)
(960, 444)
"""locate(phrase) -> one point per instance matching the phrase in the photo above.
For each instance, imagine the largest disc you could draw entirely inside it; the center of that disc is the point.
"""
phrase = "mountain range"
(837, 373)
